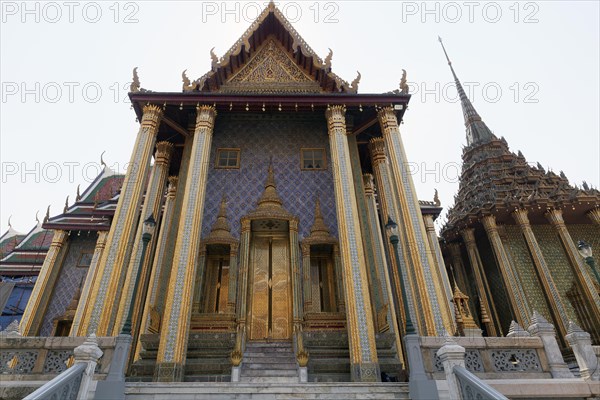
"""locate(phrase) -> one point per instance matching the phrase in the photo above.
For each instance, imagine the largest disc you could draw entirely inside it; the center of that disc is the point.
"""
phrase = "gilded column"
(175, 329)
(365, 227)
(295, 268)
(440, 271)
(412, 222)
(307, 280)
(152, 206)
(552, 293)
(388, 204)
(580, 269)
(159, 264)
(382, 267)
(78, 329)
(483, 290)
(242, 299)
(340, 279)
(115, 258)
(44, 286)
(594, 215)
(361, 333)
(509, 274)
(233, 278)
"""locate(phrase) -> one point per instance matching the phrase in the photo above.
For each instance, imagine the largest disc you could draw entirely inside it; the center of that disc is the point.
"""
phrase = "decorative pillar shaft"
(115, 258)
(175, 329)
(483, 289)
(509, 274)
(552, 293)
(412, 223)
(307, 292)
(158, 272)
(38, 301)
(440, 271)
(78, 329)
(382, 267)
(152, 206)
(361, 334)
(242, 300)
(388, 204)
(340, 279)
(580, 269)
(295, 268)
(233, 278)
(458, 268)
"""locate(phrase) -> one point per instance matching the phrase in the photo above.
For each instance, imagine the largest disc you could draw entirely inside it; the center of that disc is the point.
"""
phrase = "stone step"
(268, 372)
(269, 359)
(267, 365)
(269, 344)
(269, 379)
(264, 391)
(268, 350)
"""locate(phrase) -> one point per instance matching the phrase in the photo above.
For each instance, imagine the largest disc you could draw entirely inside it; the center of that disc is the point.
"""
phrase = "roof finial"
(355, 82)
(78, 196)
(102, 160)
(436, 198)
(214, 59)
(135, 83)
(443, 48)
(66, 205)
(9, 224)
(328, 60)
(47, 217)
(403, 85)
(36, 217)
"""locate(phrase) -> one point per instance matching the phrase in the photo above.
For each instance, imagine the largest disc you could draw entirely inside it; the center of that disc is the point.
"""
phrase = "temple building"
(511, 239)
(271, 184)
(268, 230)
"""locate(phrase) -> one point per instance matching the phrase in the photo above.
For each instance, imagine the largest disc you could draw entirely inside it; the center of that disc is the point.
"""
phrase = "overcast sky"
(532, 69)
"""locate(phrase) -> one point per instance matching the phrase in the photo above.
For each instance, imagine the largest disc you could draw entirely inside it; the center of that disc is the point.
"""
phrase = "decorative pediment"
(271, 70)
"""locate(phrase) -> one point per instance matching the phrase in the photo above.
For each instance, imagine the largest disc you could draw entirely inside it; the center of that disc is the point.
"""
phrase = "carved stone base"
(168, 372)
(367, 372)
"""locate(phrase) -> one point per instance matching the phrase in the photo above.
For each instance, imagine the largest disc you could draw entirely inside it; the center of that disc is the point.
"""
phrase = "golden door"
(270, 289)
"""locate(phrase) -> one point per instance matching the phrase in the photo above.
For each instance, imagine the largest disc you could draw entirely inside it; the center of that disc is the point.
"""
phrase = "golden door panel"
(270, 293)
(280, 294)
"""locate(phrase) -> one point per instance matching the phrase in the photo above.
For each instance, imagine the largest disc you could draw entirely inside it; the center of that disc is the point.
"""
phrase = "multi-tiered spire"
(477, 130)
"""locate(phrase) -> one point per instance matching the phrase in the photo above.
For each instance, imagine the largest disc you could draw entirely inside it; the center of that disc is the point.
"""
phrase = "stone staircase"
(269, 363)
(265, 391)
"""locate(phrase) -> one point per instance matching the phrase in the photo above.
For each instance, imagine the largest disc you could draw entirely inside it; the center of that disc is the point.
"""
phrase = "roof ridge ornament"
(327, 63)
(37, 219)
(403, 85)
(355, 82)
(135, 83)
(102, 159)
(214, 59)
(9, 224)
(47, 217)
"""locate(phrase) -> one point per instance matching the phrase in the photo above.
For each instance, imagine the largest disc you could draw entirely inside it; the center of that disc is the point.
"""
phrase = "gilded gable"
(271, 70)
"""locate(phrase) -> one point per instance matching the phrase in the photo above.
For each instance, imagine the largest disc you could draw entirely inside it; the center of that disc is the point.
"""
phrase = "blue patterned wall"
(69, 278)
(261, 137)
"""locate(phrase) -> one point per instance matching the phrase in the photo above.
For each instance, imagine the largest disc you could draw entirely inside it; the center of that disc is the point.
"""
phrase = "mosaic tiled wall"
(496, 282)
(558, 263)
(260, 138)
(518, 250)
(69, 279)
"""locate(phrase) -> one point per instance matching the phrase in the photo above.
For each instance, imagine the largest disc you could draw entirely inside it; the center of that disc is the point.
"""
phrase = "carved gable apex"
(271, 70)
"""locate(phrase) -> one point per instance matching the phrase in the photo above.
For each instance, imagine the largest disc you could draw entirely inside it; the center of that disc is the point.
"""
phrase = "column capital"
(555, 217)
(428, 219)
(387, 119)
(205, 117)
(163, 153)
(468, 235)
(336, 118)
(377, 148)
(305, 248)
(489, 223)
(520, 217)
(594, 215)
(59, 238)
(151, 116)
(101, 241)
(172, 189)
(245, 225)
(233, 249)
(369, 187)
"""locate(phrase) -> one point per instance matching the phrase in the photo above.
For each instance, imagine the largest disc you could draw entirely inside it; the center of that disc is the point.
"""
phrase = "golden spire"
(319, 228)
(270, 198)
(221, 228)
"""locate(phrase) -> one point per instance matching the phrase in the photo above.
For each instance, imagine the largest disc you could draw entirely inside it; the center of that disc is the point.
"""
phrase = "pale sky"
(65, 69)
